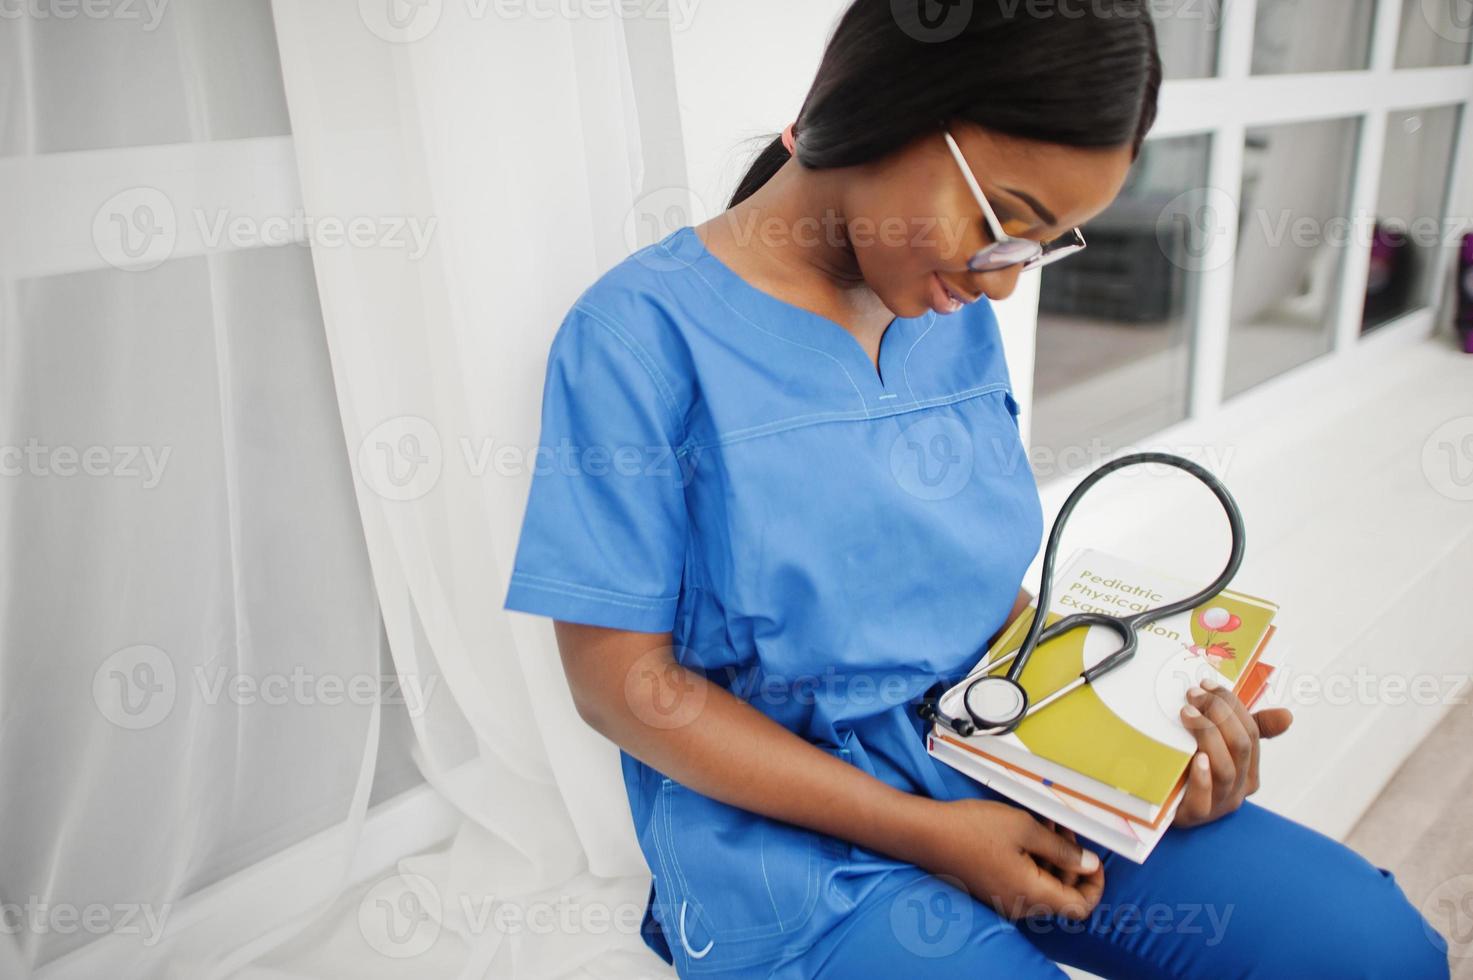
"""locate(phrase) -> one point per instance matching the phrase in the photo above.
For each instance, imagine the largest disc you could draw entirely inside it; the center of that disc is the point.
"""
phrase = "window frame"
(1224, 107)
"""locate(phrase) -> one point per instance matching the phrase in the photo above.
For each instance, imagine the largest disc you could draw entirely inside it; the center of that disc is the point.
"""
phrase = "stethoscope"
(997, 703)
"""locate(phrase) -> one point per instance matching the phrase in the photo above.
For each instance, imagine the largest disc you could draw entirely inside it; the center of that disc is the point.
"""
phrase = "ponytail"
(768, 163)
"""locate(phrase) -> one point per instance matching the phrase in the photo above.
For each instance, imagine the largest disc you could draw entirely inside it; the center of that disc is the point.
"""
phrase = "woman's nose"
(998, 285)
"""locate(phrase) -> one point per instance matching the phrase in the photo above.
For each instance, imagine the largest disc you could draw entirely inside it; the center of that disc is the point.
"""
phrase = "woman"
(789, 497)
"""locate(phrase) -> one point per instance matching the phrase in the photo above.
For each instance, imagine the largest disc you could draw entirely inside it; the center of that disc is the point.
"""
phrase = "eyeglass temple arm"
(993, 225)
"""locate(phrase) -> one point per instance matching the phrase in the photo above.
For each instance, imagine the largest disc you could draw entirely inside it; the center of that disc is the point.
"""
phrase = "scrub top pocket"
(734, 887)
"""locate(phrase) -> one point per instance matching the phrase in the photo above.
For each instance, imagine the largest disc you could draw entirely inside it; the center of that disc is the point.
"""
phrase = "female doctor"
(789, 496)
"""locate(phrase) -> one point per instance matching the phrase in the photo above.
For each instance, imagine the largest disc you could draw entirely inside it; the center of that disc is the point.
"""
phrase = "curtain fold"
(510, 141)
(185, 596)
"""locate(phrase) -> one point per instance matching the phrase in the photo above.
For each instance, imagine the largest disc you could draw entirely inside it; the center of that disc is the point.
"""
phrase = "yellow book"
(1118, 742)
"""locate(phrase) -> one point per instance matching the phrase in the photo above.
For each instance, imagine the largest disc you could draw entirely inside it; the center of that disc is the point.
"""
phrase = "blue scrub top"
(824, 540)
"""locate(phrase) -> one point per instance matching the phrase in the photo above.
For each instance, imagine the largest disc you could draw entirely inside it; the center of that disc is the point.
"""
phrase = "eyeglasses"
(1005, 250)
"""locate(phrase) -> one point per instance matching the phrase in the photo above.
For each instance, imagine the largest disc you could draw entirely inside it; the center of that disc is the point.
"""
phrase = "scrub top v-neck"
(824, 539)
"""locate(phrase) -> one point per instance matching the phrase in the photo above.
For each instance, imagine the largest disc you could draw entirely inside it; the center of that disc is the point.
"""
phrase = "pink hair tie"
(790, 140)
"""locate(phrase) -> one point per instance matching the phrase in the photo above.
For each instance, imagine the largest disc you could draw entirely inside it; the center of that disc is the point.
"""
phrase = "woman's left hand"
(1224, 771)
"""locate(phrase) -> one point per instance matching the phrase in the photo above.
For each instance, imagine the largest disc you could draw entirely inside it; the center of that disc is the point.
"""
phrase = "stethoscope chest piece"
(996, 702)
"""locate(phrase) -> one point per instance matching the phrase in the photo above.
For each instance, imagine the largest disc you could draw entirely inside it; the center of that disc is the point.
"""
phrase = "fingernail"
(1090, 862)
(1191, 712)
(1195, 692)
(1210, 683)
(1202, 760)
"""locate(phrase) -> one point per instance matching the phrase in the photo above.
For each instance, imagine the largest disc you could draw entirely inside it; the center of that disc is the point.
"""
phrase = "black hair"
(1074, 72)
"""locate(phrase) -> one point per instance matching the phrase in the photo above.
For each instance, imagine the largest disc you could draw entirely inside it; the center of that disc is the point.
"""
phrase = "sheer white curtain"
(511, 143)
(189, 637)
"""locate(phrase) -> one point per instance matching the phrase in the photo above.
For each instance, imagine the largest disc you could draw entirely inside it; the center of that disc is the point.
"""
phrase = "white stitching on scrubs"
(640, 354)
(802, 421)
(904, 365)
(686, 943)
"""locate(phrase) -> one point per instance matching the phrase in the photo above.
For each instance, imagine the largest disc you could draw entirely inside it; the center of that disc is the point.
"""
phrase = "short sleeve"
(603, 541)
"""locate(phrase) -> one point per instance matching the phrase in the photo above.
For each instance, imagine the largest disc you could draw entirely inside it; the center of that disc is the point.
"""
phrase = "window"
(1409, 227)
(1245, 246)
(1293, 225)
(1434, 33)
(1114, 321)
(1311, 35)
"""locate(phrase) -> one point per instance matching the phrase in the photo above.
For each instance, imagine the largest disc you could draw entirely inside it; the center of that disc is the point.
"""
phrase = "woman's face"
(913, 222)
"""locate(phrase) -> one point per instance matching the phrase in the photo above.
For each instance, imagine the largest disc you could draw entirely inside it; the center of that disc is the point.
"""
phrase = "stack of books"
(1109, 760)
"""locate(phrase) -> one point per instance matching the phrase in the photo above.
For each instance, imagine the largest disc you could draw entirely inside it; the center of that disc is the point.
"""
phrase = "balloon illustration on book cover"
(1215, 620)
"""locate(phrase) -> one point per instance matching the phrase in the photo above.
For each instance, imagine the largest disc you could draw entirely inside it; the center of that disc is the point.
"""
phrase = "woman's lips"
(944, 299)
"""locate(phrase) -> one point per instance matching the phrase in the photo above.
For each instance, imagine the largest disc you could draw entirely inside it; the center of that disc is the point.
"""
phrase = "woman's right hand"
(1006, 857)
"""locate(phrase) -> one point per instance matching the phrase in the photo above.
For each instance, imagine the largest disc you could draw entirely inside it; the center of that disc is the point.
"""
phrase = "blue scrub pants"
(1253, 894)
